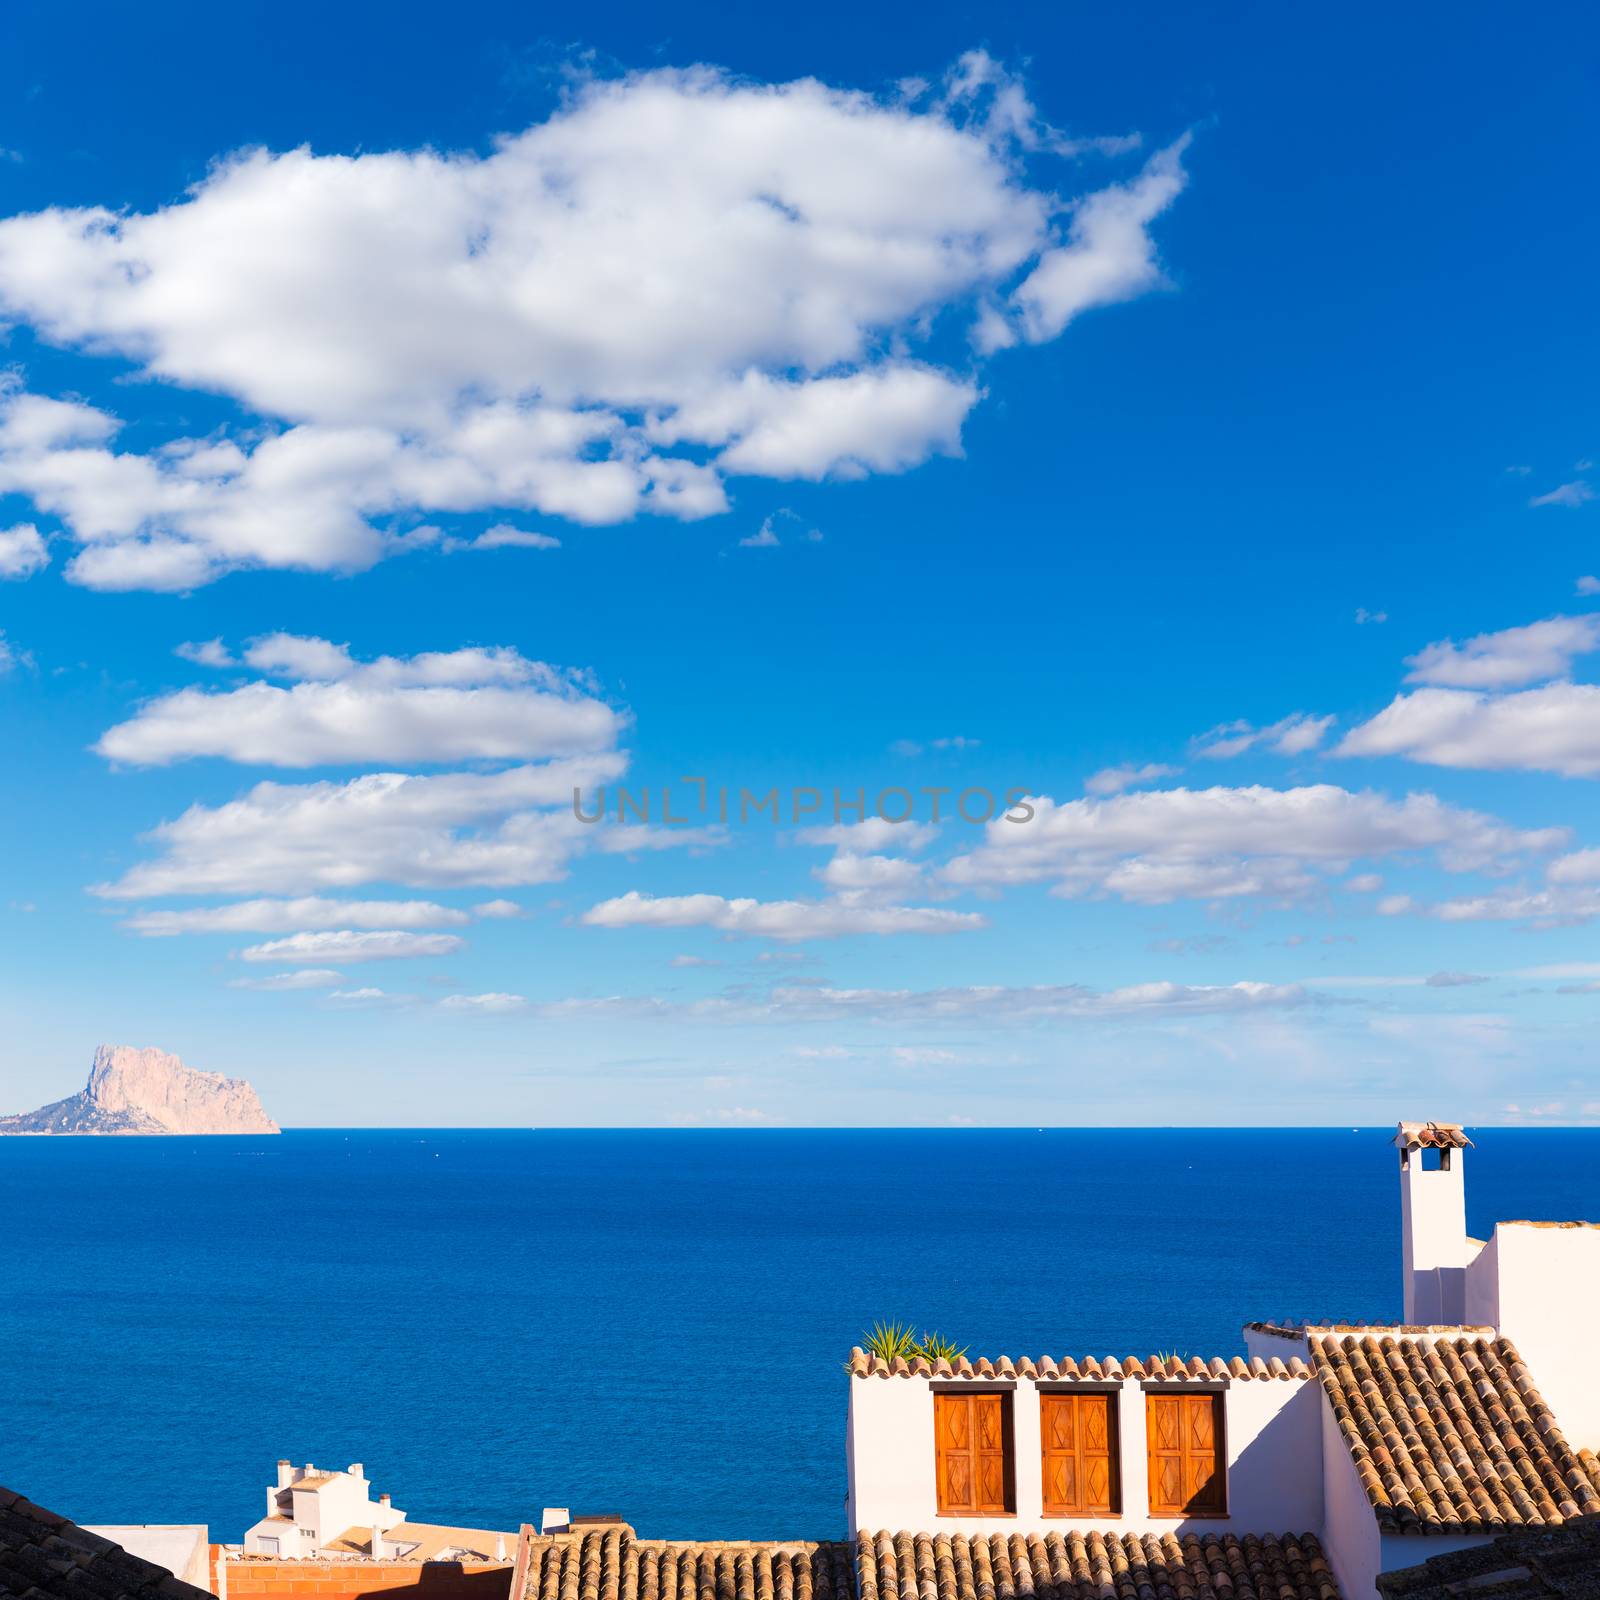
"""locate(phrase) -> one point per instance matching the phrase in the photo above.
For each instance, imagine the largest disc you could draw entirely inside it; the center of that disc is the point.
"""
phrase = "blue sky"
(1182, 416)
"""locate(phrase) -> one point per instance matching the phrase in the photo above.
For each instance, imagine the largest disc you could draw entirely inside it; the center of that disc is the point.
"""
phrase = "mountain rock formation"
(148, 1091)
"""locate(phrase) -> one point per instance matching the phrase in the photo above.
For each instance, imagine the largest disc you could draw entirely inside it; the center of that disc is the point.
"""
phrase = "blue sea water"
(649, 1323)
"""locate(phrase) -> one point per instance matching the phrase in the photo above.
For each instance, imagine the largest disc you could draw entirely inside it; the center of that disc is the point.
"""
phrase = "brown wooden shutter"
(972, 1453)
(1078, 1437)
(1184, 1440)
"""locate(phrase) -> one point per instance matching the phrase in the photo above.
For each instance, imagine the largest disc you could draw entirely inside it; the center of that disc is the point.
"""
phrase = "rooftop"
(428, 1539)
(617, 1565)
(1450, 1435)
(1535, 1564)
(46, 1557)
(1432, 1136)
(1167, 1369)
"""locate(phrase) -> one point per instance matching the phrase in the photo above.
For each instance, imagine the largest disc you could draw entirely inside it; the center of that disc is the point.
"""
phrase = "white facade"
(1288, 1469)
(308, 1508)
(892, 1478)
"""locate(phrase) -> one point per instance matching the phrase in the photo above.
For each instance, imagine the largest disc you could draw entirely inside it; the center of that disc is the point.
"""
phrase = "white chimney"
(285, 1474)
(1433, 1221)
(499, 1547)
(354, 1469)
(556, 1519)
(377, 1542)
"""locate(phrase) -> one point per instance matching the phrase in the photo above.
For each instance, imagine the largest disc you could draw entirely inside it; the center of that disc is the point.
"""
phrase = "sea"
(647, 1323)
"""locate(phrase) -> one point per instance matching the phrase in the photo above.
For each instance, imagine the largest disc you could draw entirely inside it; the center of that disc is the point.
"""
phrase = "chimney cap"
(1431, 1135)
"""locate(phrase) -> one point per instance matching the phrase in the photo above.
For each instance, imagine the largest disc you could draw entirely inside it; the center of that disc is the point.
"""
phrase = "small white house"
(308, 1509)
(1383, 1446)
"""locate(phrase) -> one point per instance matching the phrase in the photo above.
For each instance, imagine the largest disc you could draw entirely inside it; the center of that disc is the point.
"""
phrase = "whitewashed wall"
(1545, 1285)
(1273, 1441)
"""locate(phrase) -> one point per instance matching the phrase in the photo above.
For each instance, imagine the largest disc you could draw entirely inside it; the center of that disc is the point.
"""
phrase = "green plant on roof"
(938, 1348)
(891, 1340)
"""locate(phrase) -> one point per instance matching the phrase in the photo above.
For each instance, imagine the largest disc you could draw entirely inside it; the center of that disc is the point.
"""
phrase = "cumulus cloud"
(308, 912)
(441, 706)
(1113, 780)
(1290, 736)
(424, 333)
(350, 944)
(1555, 728)
(22, 552)
(1173, 844)
(775, 919)
(1507, 659)
(450, 830)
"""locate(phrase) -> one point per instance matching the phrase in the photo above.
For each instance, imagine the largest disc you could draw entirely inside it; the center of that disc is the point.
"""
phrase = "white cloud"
(1172, 844)
(1588, 585)
(774, 919)
(1108, 255)
(307, 978)
(279, 916)
(442, 706)
(11, 657)
(764, 538)
(1365, 883)
(427, 333)
(1558, 906)
(999, 1003)
(870, 835)
(954, 1006)
(1113, 780)
(1364, 616)
(484, 1004)
(1555, 728)
(498, 910)
(1508, 659)
(863, 878)
(349, 944)
(450, 830)
(502, 536)
(1576, 493)
(22, 552)
(912, 1055)
(1290, 736)
(206, 653)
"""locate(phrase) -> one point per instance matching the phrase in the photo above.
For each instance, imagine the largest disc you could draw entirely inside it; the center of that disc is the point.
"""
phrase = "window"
(269, 1545)
(1078, 1435)
(972, 1453)
(1187, 1473)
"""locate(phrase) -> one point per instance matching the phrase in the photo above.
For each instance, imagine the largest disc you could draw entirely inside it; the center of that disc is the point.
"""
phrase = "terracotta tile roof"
(1563, 1563)
(1288, 1328)
(1090, 1369)
(1432, 1135)
(616, 1565)
(45, 1557)
(1451, 1435)
(1093, 1566)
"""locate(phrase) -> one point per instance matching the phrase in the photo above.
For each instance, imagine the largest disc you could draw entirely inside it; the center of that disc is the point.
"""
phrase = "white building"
(308, 1509)
(1376, 1447)
(312, 1512)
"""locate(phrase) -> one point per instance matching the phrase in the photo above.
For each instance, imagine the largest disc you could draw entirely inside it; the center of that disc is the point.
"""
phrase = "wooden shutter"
(972, 1453)
(1078, 1435)
(1187, 1471)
